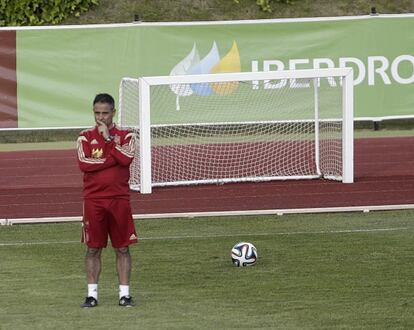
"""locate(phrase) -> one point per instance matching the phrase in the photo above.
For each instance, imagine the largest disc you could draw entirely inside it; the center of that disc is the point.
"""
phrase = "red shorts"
(103, 217)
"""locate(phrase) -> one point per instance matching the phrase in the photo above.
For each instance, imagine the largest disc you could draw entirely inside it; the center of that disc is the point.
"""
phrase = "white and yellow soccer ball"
(244, 254)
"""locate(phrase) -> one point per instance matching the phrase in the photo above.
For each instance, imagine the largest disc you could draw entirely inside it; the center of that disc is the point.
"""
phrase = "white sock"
(123, 291)
(93, 291)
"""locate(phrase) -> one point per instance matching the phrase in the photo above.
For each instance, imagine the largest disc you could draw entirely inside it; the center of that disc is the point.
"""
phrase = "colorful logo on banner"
(211, 63)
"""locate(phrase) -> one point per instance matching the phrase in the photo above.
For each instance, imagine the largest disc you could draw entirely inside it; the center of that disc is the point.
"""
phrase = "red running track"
(37, 184)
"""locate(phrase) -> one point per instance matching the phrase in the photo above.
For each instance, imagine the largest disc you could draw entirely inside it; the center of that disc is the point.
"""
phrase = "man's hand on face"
(103, 129)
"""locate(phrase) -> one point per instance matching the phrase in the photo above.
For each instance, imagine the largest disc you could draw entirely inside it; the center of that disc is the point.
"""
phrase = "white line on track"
(345, 231)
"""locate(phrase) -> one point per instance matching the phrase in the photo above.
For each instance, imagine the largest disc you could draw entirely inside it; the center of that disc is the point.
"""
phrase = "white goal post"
(235, 127)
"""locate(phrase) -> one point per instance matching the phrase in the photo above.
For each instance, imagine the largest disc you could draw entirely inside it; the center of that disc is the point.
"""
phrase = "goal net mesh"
(239, 130)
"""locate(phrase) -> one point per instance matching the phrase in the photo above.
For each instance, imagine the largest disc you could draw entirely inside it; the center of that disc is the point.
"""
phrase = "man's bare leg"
(93, 265)
(123, 266)
(93, 270)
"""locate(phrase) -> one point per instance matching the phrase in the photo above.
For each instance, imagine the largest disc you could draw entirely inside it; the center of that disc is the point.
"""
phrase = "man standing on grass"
(104, 155)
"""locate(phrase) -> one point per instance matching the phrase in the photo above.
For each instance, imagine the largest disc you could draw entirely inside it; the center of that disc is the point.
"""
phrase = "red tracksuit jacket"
(105, 164)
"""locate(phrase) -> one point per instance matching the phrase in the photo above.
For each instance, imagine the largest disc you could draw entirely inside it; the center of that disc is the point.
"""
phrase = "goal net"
(233, 127)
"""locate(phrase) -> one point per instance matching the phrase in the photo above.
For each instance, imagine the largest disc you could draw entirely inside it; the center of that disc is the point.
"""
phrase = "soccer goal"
(235, 127)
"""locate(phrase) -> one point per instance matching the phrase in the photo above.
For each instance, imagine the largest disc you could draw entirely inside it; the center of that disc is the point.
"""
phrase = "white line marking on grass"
(38, 243)
(191, 215)
(345, 231)
(281, 234)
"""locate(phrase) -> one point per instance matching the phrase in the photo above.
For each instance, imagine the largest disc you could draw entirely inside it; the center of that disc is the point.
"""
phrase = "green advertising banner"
(59, 70)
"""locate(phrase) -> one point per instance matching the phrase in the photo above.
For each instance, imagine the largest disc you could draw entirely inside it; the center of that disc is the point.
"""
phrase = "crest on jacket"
(97, 153)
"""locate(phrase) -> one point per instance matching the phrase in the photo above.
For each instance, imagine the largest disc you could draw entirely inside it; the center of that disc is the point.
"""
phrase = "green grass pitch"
(315, 271)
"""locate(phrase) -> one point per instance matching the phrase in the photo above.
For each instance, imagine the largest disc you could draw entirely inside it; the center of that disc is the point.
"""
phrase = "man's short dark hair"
(104, 98)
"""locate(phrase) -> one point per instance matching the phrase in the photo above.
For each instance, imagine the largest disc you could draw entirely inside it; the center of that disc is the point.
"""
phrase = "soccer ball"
(244, 254)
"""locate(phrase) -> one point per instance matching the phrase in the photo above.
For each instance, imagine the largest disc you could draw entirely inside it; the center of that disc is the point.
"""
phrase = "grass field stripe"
(350, 231)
